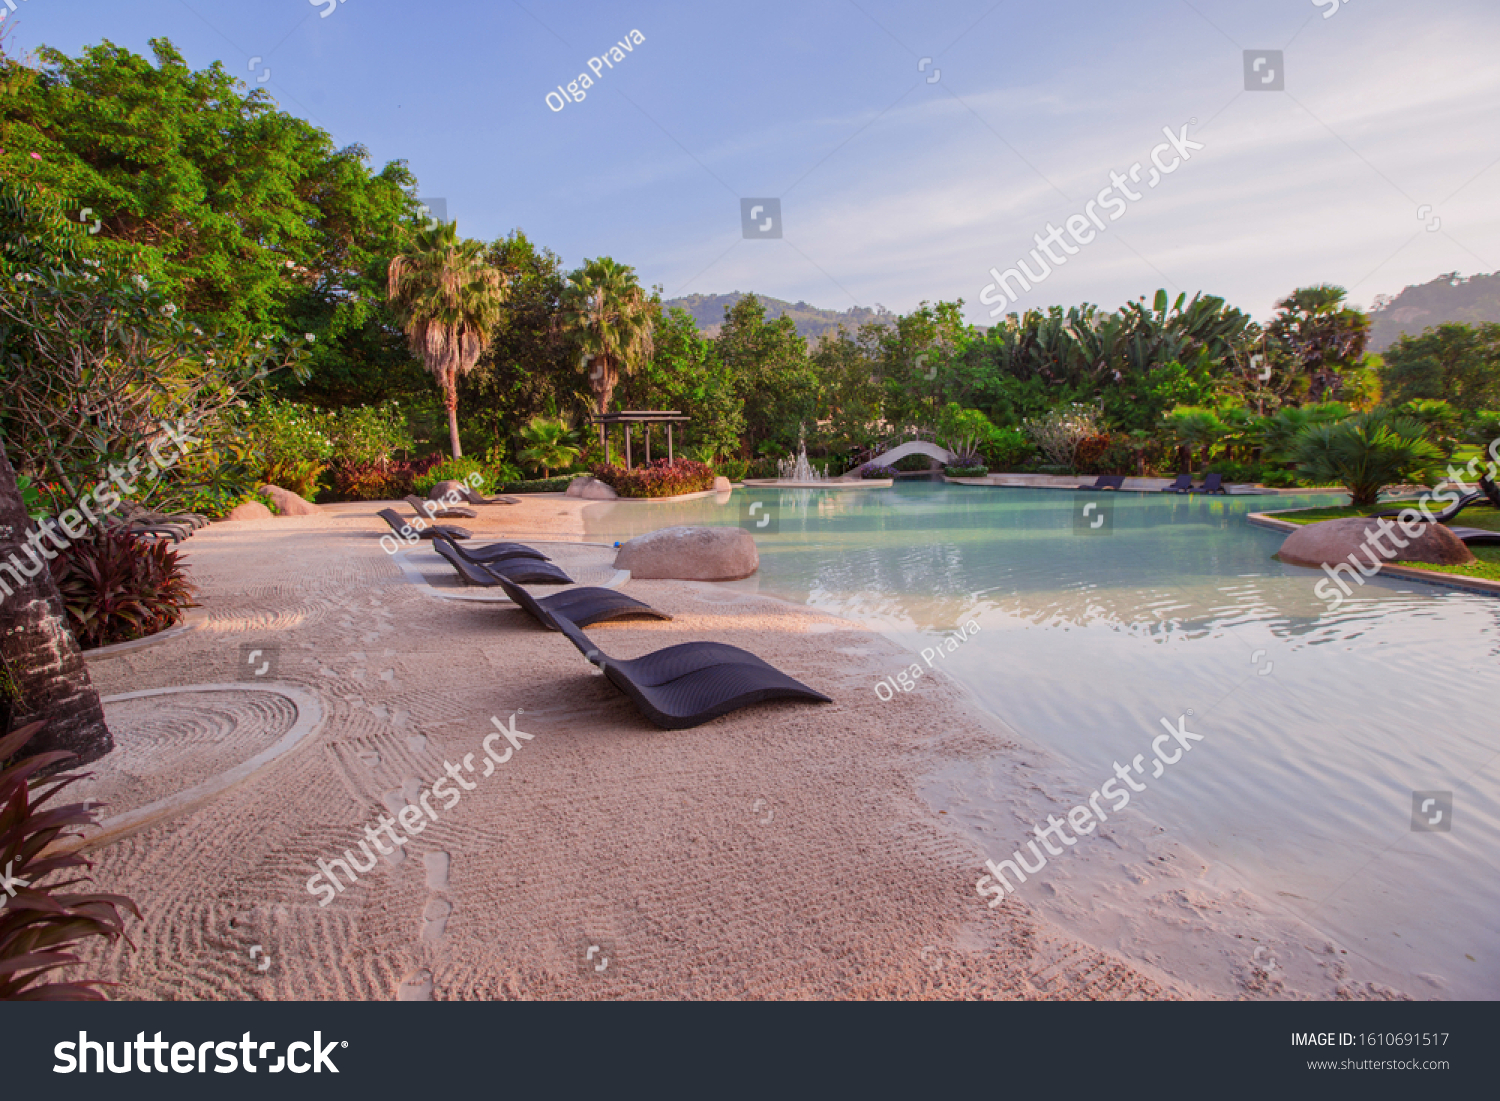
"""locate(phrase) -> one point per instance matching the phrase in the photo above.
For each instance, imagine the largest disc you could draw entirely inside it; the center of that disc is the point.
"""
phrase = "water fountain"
(798, 472)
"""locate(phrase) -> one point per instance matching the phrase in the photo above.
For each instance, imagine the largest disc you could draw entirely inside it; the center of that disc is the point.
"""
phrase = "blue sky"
(896, 187)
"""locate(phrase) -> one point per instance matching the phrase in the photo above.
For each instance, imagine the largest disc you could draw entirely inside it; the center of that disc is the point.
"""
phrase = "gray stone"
(288, 503)
(1333, 541)
(690, 554)
(590, 489)
(459, 490)
(249, 510)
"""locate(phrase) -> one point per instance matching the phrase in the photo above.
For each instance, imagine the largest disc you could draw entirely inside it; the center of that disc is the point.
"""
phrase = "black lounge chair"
(1183, 484)
(497, 552)
(1477, 536)
(524, 571)
(583, 606)
(1212, 483)
(147, 527)
(430, 510)
(1490, 490)
(402, 527)
(689, 684)
(475, 499)
(1443, 517)
(1106, 481)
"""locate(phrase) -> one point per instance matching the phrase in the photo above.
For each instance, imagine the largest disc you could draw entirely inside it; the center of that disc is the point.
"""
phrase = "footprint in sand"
(388, 675)
(416, 987)
(437, 870)
(435, 918)
(417, 743)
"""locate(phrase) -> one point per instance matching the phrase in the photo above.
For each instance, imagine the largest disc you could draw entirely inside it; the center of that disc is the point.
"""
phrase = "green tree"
(772, 373)
(1324, 338)
(1367, 452)
(1194, 428)
(686, 373)
(609, 319)
(1456, 363)
(448, 300)
(247, 217)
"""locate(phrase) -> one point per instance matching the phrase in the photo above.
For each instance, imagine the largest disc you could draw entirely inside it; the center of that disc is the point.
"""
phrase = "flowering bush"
(871, 470)
(291, 444)
(663, 478)
(452, 470)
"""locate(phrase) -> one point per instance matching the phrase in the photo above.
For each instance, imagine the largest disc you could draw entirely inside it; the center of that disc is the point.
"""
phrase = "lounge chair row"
(1212, 483)
(676, 688)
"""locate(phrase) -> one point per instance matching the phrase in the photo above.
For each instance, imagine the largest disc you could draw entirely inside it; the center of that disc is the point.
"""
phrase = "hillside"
(1449, 297)
(812, 323)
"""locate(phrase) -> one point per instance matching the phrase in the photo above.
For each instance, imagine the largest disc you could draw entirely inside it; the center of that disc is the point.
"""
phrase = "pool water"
(1101, 614)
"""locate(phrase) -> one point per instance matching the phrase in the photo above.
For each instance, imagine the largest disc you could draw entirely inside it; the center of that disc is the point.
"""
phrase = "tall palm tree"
(610, 318)
(549, 443)
(448, 302)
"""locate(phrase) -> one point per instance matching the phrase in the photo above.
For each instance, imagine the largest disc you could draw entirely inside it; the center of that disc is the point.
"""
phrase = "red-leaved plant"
(41, 921)
(118, 586)
(658, 479)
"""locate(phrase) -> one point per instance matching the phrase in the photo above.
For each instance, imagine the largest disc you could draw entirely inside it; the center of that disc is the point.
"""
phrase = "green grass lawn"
(1487, 564)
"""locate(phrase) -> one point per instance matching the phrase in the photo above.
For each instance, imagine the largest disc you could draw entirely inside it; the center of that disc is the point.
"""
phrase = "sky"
(911, 146)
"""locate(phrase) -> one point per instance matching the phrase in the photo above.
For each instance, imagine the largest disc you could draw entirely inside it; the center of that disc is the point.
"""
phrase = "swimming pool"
(1099, 621)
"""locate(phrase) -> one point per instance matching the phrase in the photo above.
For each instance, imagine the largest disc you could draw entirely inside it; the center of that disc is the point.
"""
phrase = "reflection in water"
(1323, 723)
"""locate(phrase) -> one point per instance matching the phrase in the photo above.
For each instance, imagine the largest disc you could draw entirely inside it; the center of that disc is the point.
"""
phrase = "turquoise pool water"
(1098, 623)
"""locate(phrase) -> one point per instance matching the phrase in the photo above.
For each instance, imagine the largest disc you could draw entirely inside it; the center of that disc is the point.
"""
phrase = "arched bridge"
(911, 447)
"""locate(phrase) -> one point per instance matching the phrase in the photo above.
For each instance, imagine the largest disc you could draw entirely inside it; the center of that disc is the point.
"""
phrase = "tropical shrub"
(1441, 420)
(1482, 428)
(45, 918)
(550, 444)
(1107, 454)
(662, 478)
(387, 480)
(1194, 428)
(1236, 472)
(1366, 453)
(290, 444)
(733, 469)
(1006, 449)
(872, 470)
(369, 433)
(910, 464)
(536, 485)
(450, 470)
(1059, 432)
(972, 470)
(118, 586)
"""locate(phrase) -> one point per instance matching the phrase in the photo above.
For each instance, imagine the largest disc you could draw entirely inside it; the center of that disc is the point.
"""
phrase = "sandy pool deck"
(783, 851)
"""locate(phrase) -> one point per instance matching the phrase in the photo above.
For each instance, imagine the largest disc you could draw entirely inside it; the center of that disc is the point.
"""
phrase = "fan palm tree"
(1193, 427)
(1366, 453)
(610, 318)
(448, 302)
(549, 444)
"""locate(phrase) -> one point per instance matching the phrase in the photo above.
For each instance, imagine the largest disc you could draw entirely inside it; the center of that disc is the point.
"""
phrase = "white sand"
(784, 851)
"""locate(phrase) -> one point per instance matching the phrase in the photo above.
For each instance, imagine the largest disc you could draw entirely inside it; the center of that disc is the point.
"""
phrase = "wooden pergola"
(647, 417)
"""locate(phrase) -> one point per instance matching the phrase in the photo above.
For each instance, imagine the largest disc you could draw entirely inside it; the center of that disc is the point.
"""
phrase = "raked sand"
(783, 851)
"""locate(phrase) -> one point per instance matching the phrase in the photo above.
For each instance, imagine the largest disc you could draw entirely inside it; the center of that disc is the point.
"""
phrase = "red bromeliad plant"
(658, 479)
(118, 587)
(41, 921)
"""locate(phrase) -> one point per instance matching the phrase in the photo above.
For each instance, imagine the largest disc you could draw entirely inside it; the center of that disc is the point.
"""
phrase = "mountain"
(1450, 297)
(812, 323)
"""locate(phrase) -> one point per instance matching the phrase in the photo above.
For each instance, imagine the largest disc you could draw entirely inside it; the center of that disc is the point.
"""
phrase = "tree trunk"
(41, 658)
(451, 401)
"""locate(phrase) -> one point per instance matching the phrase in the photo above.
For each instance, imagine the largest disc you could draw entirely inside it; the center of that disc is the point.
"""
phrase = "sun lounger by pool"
(582, 606)
(1107, 481)
(1212, 483)
(1183, 484)
(689, 684)
(524, 571)
(475, 499)
(430, 510)
(1477, 536)
(402, 527)
(1439, 517)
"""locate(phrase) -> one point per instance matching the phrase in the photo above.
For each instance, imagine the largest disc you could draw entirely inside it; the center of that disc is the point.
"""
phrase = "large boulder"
(288, 503)
(722, 484)
(690, 554)
(460, 491)
(591, 489)
(249, 510)
(1333, 541)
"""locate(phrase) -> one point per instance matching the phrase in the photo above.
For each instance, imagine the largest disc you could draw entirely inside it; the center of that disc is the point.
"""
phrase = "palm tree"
(609, 317)
(1193, 427)
(549, 444)
(1366, 453)
(448, 302)
(1324, 335)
